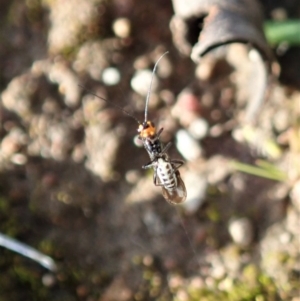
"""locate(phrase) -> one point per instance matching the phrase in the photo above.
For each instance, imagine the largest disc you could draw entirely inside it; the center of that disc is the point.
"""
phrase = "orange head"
(147, 129)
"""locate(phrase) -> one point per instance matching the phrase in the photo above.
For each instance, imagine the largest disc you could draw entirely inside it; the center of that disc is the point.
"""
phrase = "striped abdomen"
(166, 174)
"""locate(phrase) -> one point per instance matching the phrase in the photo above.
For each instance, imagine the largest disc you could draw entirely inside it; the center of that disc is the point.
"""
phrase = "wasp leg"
(166, 147)
(159, 132)
(149, 165)
(176, 163)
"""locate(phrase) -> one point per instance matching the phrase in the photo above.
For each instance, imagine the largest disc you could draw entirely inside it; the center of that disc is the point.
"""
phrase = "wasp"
(167, 175)
(146, 129)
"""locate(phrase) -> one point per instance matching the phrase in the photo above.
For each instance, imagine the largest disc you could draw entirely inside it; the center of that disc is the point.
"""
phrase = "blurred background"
(71, 180)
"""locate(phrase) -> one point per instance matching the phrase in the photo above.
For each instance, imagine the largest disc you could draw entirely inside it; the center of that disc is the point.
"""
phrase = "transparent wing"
(176, 196)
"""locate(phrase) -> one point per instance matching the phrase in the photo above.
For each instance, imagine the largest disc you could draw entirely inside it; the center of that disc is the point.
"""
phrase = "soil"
(71, 179)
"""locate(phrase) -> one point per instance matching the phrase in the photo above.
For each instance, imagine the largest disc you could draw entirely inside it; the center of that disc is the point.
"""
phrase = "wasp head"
(147, 129)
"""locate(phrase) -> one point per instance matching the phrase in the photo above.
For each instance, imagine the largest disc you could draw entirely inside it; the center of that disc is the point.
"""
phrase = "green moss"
(250, 274)
(253, 286)
(25, 275)
(213, 214)
(4, 208)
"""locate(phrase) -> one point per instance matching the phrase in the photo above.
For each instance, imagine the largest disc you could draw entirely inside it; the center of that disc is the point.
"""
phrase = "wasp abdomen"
(166, 174)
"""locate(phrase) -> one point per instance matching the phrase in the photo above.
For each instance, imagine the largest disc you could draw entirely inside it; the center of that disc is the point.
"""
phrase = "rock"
(241, 231)
(198, 128)
(19, 159)
(133, 176)
(188, 147)
(281, 120)
(195, 184)
(111, 76)
(187, 107)
(48, 280)
(12, 142)
(92, 59)
(68, 20)
(293, 221)
(295, 195)
(122, 27)
(18, 94)
(140, 82)
(68, 82)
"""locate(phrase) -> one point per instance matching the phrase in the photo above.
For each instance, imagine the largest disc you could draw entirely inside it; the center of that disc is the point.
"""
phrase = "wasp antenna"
(110, 102)
(150, 87)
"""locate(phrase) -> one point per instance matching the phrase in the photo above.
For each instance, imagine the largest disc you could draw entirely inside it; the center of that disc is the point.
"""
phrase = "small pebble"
(175, 281)
(82, 290)
(186, 108)
(182, 295)
(48, 280)
(279, 14)
(198, 128)
(140, 82)
(133, 176)
(148, 260)
(12, 142)
(218, 272)
(216, 130)
(196, 185)
(292, 221)
(216, 114)
(205, 71)
(67, 82)
(238, 182)
(9, 146)
(231, 259)
(295, 195)
(197, 282)
(188, 147)
(50, 106)
(225, 284)
(187, 101)
(111, 76)
(241, 231)
(279, 192)
(285, 237)
(210, 282)
(122, 28)
(138, 142)
(19, 159)
(167, 96)
(281, 120)
(78, 153)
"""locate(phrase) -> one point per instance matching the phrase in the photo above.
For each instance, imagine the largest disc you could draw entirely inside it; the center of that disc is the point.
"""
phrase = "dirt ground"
(71, 179)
